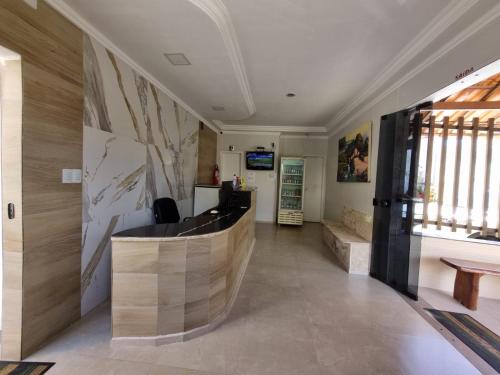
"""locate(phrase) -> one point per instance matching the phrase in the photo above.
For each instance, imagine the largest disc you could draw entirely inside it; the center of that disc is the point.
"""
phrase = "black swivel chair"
(165, 211)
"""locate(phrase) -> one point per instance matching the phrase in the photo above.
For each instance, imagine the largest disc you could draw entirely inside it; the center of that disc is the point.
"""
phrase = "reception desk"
(172, 282)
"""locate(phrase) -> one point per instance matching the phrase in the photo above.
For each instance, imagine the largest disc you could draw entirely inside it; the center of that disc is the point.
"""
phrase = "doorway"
(10, 192)
(2, 64)
(230, 164)
(396, 244)
(314, 188)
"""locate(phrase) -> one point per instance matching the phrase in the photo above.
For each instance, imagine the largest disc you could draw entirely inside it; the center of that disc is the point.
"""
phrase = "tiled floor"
(297, 313)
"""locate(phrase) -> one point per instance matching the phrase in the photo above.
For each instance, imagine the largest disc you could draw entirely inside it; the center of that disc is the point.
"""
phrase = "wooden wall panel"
(51, 52)
(197, 283)
(171, 286)
(207, 154)
(218, 270)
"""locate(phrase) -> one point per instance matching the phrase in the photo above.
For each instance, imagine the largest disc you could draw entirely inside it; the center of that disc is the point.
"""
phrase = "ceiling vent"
(218, 108)
(177, 59)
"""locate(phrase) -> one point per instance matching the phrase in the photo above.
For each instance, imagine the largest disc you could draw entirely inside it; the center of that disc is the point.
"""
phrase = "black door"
(395, 245)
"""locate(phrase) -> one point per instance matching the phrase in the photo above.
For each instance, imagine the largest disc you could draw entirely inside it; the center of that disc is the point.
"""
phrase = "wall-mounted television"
(260, 160)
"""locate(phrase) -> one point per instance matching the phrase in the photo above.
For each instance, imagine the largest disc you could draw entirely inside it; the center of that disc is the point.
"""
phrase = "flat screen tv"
(260, 160)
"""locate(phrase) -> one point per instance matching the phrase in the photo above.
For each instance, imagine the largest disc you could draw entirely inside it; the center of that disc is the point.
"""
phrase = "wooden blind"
(451, 194)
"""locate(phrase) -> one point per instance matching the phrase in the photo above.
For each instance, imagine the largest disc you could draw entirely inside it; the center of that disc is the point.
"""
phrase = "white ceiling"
(325, 51)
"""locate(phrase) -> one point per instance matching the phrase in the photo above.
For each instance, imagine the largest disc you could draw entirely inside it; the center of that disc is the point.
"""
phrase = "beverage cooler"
(291, 197)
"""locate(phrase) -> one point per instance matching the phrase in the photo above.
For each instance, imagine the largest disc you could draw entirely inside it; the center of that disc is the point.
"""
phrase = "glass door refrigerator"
(291, 199)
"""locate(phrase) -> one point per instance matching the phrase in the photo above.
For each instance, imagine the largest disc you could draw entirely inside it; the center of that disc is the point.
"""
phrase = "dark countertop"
(208, 186)
(204, 223)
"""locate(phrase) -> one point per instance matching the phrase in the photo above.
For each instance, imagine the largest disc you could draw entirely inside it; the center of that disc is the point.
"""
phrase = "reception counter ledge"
(172, 282)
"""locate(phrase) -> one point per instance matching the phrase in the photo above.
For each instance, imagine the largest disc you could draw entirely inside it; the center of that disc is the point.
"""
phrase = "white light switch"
(71, 176)
(77, 176)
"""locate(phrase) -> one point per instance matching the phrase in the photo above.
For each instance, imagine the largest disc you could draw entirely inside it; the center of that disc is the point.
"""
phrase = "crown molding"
(218, 13)
(444, 19)
(303, 136)
(270, 128)
(247, 132)
(466, 33)
(87, 27)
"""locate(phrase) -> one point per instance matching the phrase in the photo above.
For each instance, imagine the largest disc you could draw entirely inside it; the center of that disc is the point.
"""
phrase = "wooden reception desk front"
(172, 282)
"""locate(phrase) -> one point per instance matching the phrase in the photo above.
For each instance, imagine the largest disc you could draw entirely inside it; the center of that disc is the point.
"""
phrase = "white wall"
(434, 274)
(291, 145)
(477, 51)
(266, 181)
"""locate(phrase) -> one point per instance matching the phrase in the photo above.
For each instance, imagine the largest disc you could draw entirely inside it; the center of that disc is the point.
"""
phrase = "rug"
(480, 339)
(24, 368)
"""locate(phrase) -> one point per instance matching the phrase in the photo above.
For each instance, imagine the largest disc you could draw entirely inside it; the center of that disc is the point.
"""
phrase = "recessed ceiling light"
(290, 95)
(177, 59)
(217, 108)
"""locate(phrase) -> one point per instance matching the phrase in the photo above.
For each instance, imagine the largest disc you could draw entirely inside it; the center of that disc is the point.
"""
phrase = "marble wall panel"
(114, 174)
(139, 145)
(359, 222)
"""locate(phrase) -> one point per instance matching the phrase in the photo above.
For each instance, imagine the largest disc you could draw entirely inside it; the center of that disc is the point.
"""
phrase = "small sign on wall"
(71, 176)
(465, 73)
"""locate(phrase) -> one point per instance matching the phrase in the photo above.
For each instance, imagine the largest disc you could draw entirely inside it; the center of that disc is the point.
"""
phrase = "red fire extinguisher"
(215, 179)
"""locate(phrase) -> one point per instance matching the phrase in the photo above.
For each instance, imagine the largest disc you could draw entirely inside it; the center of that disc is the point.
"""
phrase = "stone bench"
(350, 240)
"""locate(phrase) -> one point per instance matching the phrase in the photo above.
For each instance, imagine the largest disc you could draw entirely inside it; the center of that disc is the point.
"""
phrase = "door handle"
(11, 211)
(405, 198)
(385, 203)
(382, 203)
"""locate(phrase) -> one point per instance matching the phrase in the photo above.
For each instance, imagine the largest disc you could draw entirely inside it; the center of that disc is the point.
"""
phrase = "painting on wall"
(354, 155)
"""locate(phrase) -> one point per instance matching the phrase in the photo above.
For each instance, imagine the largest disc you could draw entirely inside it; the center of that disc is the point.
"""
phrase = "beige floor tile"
(297, 313)
(169, 370)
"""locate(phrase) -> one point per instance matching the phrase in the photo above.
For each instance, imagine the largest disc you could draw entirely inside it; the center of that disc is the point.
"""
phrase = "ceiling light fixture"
(217, 108)
(290, 95)
(177, 59)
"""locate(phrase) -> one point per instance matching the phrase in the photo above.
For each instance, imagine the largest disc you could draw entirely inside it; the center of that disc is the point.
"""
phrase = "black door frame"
(395, 245)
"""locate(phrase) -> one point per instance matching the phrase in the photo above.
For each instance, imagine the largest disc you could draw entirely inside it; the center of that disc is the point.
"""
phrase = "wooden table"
(467, 279)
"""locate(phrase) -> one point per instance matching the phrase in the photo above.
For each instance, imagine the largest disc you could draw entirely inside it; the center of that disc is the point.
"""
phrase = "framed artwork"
(354, 155)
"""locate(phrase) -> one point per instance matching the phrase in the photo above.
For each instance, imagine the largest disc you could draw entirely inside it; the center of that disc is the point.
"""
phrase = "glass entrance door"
(395, 244)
